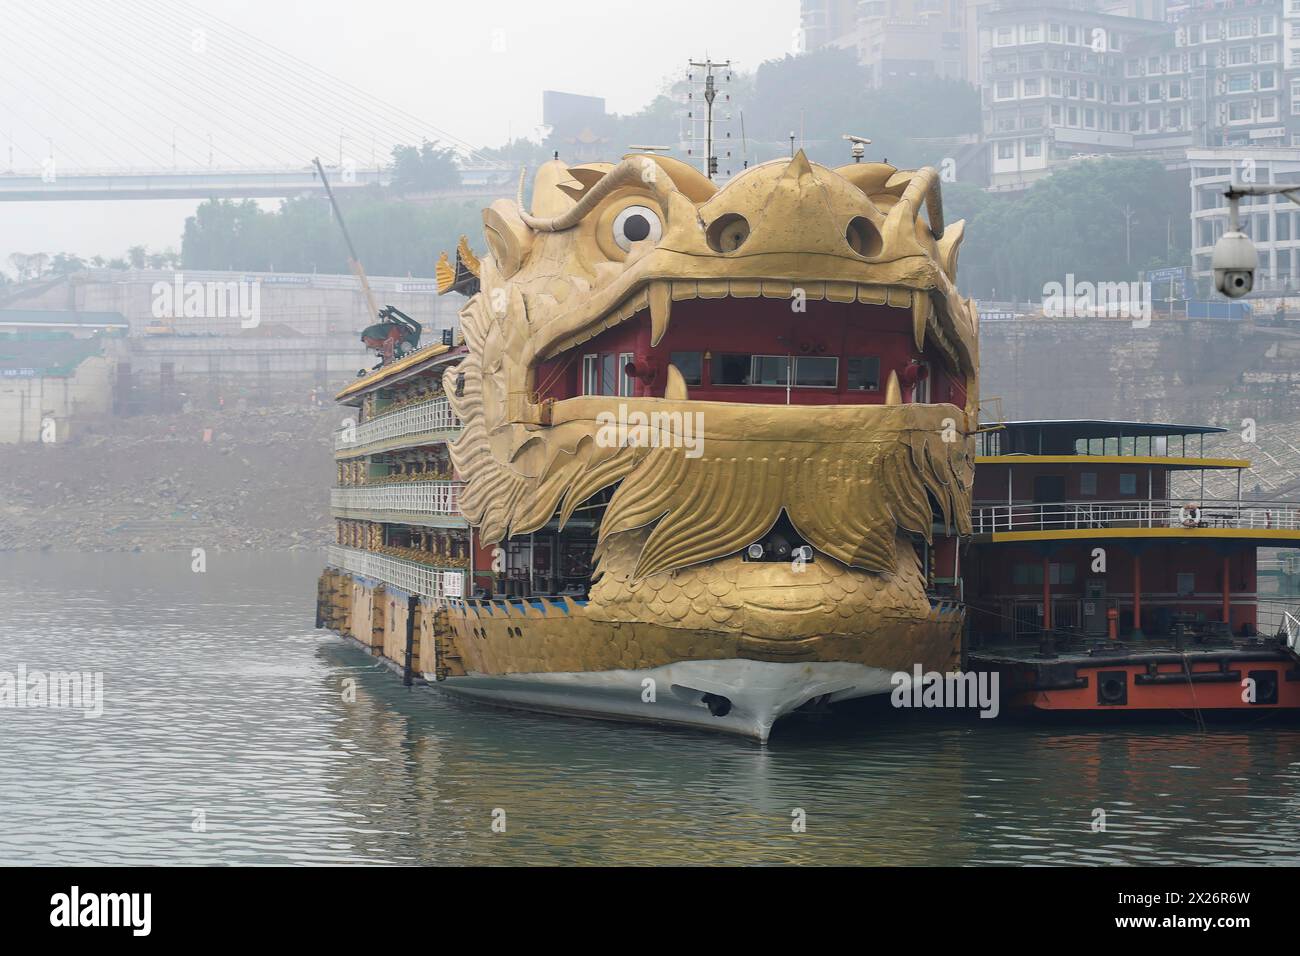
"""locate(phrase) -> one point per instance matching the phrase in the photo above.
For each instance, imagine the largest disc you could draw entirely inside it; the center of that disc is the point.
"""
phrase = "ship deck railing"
(1159, 513)
(441, 498)
(1282, 619)
(424, 418)
(410, 576)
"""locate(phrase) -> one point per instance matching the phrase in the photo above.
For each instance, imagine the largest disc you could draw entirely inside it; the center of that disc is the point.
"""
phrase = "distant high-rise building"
(823, 21)
(895, 38)
(1066, 79)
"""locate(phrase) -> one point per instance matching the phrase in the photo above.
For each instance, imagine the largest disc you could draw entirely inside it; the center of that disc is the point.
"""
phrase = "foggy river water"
(226, 738)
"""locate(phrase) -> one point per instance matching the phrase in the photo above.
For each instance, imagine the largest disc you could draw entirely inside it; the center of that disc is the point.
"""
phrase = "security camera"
(1234, 263)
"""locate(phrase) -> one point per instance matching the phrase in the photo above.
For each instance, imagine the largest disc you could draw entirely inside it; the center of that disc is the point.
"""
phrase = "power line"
(35, 35)
(210, 107)
(45, 109)
(255, 101)
(311, 93)
(324, 80)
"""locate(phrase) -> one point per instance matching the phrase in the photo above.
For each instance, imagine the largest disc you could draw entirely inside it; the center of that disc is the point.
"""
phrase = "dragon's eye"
(636, 224)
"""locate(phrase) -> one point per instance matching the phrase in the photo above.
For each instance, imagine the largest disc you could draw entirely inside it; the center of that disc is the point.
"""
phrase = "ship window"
(731, 369)
(1088, 483)
(1143, 447)
(591, 375)
(771, 370)
(1027, 574)
(1031, 574)
(625, 382)
(609, 374)
(1128, 483)
(816, 371)
(1186, 583)
(864, 374)
(690, 364)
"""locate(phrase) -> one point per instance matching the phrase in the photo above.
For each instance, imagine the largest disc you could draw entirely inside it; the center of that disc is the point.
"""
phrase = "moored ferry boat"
(702, 455)
(1092, 586)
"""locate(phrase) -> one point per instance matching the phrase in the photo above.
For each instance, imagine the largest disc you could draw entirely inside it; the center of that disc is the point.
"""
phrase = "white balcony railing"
(432, 498)
(426, 418)
(1083, 515)
(410, 576)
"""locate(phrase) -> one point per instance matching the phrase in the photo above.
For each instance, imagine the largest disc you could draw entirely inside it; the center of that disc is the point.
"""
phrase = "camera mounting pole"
(1236, 190)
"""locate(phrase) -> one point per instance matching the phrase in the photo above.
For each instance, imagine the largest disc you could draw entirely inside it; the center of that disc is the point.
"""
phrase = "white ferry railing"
(408, 575)
(425, 418)
(1166, 513)
(1282, 620)
(406, 497)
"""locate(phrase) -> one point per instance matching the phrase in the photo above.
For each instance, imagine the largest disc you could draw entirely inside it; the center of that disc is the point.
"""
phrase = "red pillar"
(1137, 594)
(1047, 594)
(1227, 592)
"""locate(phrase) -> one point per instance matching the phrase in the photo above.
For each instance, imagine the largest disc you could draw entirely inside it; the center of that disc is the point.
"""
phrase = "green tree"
(424, 168)
(391, 237)
(1103, 220)
(66, 263)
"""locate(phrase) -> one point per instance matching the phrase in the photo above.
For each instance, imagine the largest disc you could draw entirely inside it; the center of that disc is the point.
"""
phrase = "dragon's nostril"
(863, 237)
(728, 233)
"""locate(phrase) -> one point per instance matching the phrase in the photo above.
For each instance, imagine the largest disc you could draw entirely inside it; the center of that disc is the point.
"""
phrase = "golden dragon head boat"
(714, 440)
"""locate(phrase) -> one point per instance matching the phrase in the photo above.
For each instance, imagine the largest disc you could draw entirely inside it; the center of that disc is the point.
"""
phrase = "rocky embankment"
(222, 480)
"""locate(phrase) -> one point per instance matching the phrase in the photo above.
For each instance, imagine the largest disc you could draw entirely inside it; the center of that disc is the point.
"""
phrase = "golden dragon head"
(648, 258)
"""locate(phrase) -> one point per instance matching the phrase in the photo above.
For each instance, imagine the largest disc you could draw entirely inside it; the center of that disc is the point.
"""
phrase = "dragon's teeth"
(893, 390)
(899, 297)
(661, 310)
(675, 386)
(920, 318)
(841, 291)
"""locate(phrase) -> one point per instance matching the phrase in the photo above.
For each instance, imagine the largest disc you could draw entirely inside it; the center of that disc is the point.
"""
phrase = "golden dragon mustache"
(726, 485)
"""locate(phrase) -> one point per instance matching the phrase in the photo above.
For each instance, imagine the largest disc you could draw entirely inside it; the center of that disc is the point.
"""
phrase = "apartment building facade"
(1053, 85)
(896, 39)
(1070, 80)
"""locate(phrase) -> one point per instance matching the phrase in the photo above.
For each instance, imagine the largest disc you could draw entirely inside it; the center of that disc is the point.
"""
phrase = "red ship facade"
(1091, 586)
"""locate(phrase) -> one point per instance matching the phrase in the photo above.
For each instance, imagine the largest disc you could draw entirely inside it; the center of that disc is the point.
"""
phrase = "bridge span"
(80, 185)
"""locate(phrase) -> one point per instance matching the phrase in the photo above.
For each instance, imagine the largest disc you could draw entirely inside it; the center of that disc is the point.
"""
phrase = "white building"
(1052, 86)
(1273, 222)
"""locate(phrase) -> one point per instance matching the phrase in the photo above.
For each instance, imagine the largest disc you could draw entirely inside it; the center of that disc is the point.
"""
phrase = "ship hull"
(741, 676)
(741, 697)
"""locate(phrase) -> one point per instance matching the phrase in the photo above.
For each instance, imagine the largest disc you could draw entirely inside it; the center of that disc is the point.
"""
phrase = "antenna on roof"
(744, 143)
(710, 93)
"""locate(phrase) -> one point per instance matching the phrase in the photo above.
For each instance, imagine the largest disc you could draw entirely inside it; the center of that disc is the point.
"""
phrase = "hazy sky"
(474, 68)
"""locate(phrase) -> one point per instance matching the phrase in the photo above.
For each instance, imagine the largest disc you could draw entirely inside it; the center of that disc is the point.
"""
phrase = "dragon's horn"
(633, 171)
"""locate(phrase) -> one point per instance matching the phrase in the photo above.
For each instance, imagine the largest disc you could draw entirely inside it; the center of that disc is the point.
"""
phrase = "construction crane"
(396, 333)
